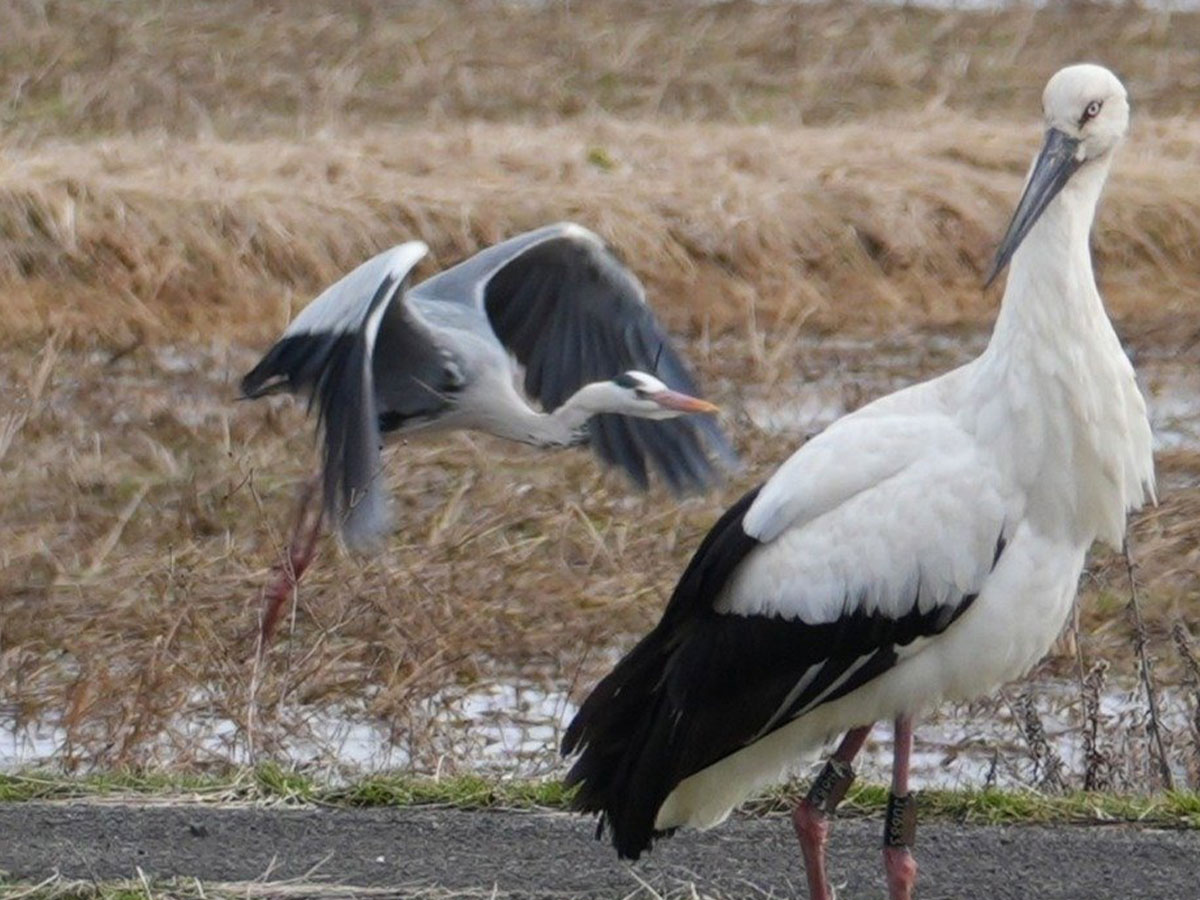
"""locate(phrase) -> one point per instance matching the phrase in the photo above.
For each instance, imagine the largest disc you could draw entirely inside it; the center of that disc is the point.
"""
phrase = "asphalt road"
(549, 855)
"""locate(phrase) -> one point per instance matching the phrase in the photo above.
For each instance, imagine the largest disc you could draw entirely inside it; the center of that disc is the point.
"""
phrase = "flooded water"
(513, 728)
(513, 725)
(834, 376)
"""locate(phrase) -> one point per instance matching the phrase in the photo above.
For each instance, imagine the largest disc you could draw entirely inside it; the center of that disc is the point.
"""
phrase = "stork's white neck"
(1054, 394)
(1051, 289)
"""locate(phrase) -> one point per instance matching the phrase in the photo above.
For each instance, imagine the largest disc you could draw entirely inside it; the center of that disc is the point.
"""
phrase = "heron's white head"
(1087, 115)
(635, 393)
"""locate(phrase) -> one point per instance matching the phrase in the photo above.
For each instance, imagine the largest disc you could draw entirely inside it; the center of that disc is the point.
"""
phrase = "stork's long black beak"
(1055, 165)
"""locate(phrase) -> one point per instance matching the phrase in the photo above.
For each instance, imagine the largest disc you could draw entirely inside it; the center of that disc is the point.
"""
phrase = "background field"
(810, 192)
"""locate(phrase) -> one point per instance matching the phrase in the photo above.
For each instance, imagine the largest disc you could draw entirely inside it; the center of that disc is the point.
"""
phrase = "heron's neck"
(565, 426)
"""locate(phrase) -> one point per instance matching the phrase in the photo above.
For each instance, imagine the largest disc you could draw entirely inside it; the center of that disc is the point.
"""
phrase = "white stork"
(926, 547)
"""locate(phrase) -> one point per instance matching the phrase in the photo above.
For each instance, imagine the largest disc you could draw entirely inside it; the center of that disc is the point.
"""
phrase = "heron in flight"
(925, 547)
(378, 356)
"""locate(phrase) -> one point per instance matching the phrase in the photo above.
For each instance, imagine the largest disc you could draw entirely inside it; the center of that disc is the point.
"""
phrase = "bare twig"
(1191, 678)
(10, 427)
(1046, 762)
(1096, 765)
(114, 533)
(1153, 725)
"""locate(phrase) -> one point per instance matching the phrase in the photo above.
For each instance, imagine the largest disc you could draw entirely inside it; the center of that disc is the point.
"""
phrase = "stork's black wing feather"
(705, 684)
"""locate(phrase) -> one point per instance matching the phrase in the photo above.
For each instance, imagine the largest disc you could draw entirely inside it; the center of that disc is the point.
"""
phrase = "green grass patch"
(274, 783)
(1176, 809)
(465, 791)
(45, 786)
(271, 783)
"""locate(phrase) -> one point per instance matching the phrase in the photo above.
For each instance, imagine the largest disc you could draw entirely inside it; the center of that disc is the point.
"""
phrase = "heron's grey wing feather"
(357, 352)
(465, 282)
(572, 314)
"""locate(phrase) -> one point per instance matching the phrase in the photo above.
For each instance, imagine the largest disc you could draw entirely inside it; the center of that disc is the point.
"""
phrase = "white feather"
(930, 518)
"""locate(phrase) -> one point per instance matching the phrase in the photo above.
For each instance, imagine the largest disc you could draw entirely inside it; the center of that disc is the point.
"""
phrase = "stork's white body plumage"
(935, 536)
(1044, 438)
(1037, 452)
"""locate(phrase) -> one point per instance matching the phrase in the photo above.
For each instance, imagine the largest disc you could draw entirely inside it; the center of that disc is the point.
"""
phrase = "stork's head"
(1087, 104)
(638, 394)
(1087, 115)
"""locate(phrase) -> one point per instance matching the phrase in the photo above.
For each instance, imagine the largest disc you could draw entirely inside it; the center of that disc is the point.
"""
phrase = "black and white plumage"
(797, 604)
(925, 547)
(380, 356)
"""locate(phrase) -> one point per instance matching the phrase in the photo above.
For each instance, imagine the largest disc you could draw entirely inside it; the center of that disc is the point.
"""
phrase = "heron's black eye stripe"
(625, 380)
(1091, 111)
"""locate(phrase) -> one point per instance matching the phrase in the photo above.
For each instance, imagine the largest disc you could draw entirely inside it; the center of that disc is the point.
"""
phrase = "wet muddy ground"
(510, 722)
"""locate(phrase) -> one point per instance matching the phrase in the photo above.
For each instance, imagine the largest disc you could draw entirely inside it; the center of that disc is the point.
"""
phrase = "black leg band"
(830, 786)
(900, 823)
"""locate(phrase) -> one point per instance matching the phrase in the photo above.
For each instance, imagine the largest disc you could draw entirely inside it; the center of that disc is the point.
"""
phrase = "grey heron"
(925, 547)
(378, 355)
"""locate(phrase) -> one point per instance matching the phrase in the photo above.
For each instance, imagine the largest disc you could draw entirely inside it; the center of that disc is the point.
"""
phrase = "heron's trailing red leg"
(810, 818)
(301, 549)
(900, 825)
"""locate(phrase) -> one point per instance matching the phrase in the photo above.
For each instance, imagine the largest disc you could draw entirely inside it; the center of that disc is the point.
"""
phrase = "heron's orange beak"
(683, 402)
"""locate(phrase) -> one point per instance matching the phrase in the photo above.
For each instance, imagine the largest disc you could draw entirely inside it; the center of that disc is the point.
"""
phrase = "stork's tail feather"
(623, 738)
(631, 733)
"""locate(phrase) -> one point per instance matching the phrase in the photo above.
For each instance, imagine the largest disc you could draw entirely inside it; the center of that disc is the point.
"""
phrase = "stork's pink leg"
(900, 825)
(301, 549)
(810, 818)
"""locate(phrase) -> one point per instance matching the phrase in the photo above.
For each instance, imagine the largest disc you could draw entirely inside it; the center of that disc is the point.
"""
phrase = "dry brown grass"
(176, 179)
(233, 68)
(189, 168)
(146, 506)
(735, 228)
(143, 508)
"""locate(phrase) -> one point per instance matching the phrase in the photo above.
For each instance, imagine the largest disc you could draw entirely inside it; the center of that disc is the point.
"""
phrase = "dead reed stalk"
(1048, 766)
(1154, 729)
(1097, 766)
(1191, 680)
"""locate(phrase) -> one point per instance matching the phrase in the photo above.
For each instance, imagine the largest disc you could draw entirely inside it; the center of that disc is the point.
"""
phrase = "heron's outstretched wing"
(572, 314)
(359, 343)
